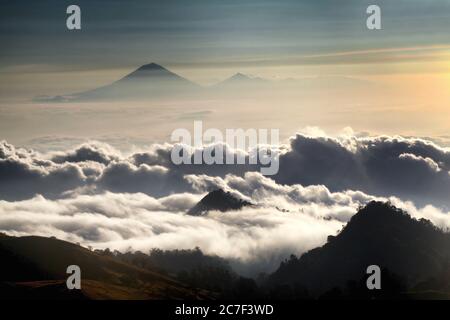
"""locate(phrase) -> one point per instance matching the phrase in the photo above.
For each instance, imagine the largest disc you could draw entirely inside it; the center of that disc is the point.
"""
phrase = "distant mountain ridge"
(153, 70)
(153, 81)
(148, 81)
(240, 79)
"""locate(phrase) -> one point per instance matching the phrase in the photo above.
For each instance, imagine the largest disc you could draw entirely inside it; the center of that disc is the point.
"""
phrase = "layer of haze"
(392, 81)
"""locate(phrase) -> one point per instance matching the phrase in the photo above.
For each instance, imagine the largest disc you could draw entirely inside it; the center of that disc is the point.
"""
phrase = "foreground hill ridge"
(414, 250)
(413, 254)
(34, 263)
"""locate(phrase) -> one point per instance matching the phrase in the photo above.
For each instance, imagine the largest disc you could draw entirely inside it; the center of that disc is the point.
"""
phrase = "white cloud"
(97, 196)
(410, 168)
(286, 220)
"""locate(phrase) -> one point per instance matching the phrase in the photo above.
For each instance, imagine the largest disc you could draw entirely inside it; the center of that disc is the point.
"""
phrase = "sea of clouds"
(97, 196)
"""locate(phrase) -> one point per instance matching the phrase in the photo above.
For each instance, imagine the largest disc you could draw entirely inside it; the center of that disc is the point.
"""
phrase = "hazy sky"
(209, 40)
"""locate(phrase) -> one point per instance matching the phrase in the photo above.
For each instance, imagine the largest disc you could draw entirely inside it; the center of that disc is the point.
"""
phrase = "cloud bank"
(99, 197)
(409, 168)
(286, 220)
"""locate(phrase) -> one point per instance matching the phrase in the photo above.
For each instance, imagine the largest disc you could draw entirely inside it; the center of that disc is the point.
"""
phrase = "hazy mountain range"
(153, 81)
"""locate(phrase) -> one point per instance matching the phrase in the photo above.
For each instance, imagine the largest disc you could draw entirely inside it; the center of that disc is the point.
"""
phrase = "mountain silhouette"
(148, 81)
(153, 71)
(153, 81)
(218, 200)
(379, 234)
(239, 83)
(35, 267)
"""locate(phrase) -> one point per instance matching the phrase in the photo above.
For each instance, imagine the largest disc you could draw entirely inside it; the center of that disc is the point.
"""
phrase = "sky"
(207, 42)
(210, 40)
